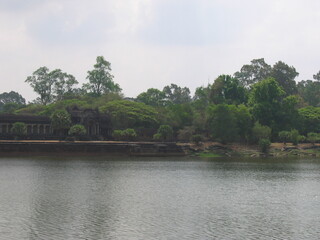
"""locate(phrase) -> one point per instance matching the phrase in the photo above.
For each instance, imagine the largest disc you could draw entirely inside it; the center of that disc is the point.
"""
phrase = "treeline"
(260, 102)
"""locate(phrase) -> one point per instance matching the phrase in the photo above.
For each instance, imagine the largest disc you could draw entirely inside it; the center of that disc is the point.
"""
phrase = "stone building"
(98, 125)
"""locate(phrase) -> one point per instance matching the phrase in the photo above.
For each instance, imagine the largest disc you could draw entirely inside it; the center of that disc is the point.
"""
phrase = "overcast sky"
(152, 43)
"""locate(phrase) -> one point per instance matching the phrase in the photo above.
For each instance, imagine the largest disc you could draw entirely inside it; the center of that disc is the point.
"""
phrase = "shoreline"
(156, 149)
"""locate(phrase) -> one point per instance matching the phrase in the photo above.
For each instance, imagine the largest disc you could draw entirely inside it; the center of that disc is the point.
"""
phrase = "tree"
(265, 100)
(285, 76)
(153, 97)
(254, 72)
(164, 133)
(226, 89)
(100, 78)
(176, 95)
(126, 114)
(261, 132)
(50, 85)
(60, 121)
(309, 119)
(11, 97)
(222, 123)
(63, 84)
(317, 76)
(310, 91)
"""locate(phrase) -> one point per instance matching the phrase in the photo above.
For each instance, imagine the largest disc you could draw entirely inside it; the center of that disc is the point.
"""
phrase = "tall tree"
(254, 72)
(152, 97)
(51, 85)
(285, 76)
(227, 89)
(265, 100)
(222, 123)
(63, 84)
(12, 97)
(42, 83)
(177, 95)
(101, 79)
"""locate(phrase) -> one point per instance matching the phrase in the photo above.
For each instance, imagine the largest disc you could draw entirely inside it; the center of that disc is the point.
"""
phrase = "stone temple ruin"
(98, 125)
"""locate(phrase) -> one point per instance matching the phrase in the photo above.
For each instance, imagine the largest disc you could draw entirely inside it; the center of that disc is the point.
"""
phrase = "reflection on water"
(85, 198)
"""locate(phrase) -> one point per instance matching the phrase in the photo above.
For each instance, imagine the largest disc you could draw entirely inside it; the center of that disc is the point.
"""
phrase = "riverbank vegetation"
(259, 104)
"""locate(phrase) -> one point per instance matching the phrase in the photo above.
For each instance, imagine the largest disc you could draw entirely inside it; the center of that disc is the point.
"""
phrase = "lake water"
(158, 198)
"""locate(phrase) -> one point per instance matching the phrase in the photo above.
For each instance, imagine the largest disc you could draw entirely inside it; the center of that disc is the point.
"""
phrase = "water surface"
(158, 198)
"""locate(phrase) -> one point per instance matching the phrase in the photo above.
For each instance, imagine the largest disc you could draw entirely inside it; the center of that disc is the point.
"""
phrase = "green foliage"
(310, 92)
(51, 85)
(264, 145)
(284, 136)
(285, 76)
(127, 134)
(100, 78)
(222, 123)
(309, 119)
(19, 129)
(179, 115)
(157, 137)
(265, 101)
(312, 137)
(260, 132)
(176, 95)
(252, 73)
(48, 110)
(226, 89)
(10, 101)
(165, 133)
(31, 109)
(152, 97)
(77, 130)
(126, 114)
(294, 136)
(60, 120)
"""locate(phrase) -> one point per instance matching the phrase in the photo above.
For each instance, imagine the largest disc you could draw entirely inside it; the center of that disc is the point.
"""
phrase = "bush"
(294, 136)
(261, 132)
(127, 134)
(77, 130)
(284, 136)
(264, 145)
(197, 139)
(157, 137)
(165, 133)
(312, 137)
(19, 129)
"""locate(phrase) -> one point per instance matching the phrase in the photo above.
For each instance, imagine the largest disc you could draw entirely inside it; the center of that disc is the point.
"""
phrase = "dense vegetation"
(257, 104)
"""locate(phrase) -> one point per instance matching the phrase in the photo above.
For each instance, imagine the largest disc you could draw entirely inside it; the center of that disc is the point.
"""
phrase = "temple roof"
(12, 118)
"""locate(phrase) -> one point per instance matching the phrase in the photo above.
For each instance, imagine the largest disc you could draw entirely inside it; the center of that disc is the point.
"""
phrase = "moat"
(108, 197)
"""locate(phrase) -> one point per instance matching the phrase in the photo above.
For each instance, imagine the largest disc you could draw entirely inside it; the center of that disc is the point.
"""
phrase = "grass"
(209, 155)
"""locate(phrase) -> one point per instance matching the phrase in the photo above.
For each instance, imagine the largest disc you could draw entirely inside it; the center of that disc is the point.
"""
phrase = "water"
(101, 198)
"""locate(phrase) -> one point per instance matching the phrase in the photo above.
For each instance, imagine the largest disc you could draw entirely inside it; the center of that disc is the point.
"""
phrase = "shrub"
(165, 132)
(129, 134)
(284, 136)
(117, 135)
(77, 130)
(264, 145)
(157, 137)
(294, 136)
(19, 129)
(312, 137)
(261, 132)
(197, 139)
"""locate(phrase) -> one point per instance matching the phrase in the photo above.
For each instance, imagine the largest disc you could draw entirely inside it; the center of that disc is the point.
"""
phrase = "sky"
(153, 43)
